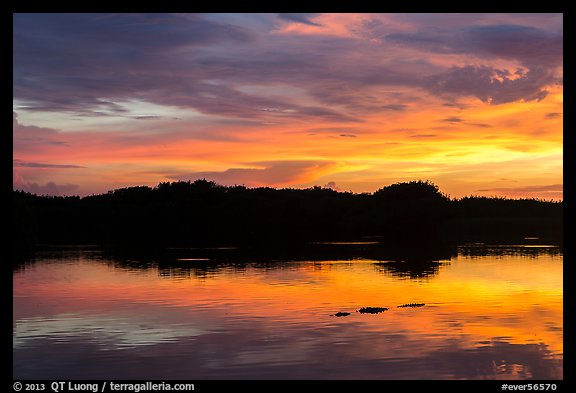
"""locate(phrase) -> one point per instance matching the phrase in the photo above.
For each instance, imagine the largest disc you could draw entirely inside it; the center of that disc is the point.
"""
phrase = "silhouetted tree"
(24, 225)
(203, 213)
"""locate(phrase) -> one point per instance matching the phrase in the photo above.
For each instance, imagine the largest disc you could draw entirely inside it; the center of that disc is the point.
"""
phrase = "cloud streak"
(553, 191)
(275, 173)
(304, 18)
(18, 163)
(509, 41)
(552, 115)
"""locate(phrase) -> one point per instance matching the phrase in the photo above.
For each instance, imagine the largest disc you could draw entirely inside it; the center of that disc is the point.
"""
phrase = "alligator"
(413, 305)
(377, 310)
(372, 310)
(340, 314)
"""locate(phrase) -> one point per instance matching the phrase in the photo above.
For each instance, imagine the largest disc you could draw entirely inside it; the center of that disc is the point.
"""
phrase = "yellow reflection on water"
(517, 299)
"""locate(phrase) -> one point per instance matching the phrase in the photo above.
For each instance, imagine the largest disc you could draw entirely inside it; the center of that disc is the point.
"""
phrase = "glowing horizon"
(355, 102)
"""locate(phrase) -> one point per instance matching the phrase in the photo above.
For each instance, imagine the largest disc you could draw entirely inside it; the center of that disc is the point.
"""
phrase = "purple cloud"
(332, 185)
(49, 188)
(25, 164)
(538, 50)
(491, 85)
(70, 62)
(515, 42)
(529, 45)
(89, 64)
(304, 18)
(395, 107)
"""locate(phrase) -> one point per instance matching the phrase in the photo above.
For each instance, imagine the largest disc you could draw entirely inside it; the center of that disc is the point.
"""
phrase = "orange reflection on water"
(470, 303)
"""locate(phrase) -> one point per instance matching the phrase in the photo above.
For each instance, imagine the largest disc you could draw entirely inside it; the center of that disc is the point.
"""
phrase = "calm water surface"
(488, 313)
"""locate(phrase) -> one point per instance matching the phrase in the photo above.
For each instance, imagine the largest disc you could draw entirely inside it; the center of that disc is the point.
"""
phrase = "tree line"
(205, 213)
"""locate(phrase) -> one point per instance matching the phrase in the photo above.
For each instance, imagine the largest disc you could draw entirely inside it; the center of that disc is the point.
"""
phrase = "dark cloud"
(480, 125)
(491, 85)
(539, 51)
(148, 117)
(452, 120)
(456, 119)
(348, 135)
(25, 164)
(130, 34)
(91, 73)
(69, 62)
(552, 115)
(395, 107)
(341, 131)
(153, 117)
(529, 45)
(423, 136)
(304, 18)
(190, 62)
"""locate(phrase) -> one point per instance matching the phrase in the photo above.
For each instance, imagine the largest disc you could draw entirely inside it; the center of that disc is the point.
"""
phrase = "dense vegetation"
(205, 213)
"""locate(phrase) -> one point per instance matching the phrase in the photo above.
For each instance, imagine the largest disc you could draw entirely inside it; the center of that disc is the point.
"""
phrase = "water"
(487, 313)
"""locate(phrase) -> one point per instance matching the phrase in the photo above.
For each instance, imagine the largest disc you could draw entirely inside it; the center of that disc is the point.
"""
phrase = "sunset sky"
(355, 102)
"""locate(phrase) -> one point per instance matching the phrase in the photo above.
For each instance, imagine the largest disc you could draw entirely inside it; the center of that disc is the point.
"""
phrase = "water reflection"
(106, 331)
(528, 250)
(261, 354)
(417, 262)
(412, 263)
(413, 270)
(221, 314)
